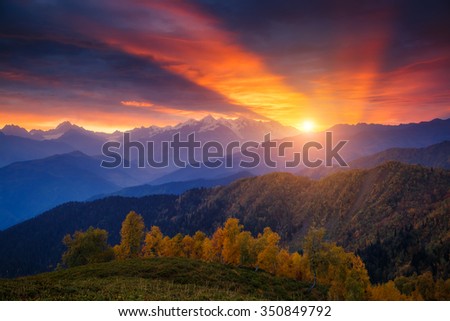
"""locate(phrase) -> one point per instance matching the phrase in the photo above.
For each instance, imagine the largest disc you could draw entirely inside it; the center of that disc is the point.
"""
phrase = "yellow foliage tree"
(217, 245)
(208, 252)
(386, 292)
(267, 258)
(197, 246)
(299, 266)
(230, 251)
(246, 248)
(187, 246)
(167, 247)
(177, 245)
(326, 263)
(329, 264)
(284, 265)
(313, 245)
(153, 243)
(442, 292)
(132, 233)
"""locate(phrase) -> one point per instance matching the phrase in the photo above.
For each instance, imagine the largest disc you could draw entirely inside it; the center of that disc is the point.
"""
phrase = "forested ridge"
(395, 216)
(147, 264)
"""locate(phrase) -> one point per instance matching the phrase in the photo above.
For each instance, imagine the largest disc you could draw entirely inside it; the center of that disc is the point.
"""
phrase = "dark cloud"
(69, 70)
(43, 55)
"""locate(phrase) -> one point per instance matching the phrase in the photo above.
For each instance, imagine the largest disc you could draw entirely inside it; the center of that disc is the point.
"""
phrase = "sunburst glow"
(307, 126)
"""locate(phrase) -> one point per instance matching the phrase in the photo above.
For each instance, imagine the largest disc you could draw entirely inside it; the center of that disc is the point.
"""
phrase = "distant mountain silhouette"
(14, 149)
(14, 130)
(57, 132)
(30, 187)
(363, 140)
(84, 141)
(437, 155)
(221, 129)
(25, 182)
(174, 187)
(369, 139)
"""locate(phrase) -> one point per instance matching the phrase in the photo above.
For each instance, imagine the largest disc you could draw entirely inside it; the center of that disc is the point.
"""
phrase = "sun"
(307, 126)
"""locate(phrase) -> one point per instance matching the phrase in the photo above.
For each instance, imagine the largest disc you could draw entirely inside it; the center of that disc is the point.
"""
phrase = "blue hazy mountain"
(175, 187)
(367, 139)
(30, 187)
(82, 140)
(15, 148)
(437, 155)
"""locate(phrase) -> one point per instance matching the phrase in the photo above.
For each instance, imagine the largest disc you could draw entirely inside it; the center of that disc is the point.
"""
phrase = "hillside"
(369, 139)
(437, 155)
(176, 187)
(404, 204)
(15, 149)
(157, 279)
(366, 139)
(30, 187)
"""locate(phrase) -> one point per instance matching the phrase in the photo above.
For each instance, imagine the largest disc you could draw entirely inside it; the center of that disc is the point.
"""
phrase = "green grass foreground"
(157, 279)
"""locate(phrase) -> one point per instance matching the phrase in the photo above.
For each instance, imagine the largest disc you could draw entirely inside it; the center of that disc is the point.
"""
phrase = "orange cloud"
(136, 103)
(199, 49)
(170, 111)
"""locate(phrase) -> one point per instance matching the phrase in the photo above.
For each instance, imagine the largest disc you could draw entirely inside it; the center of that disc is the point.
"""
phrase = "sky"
(109, 65)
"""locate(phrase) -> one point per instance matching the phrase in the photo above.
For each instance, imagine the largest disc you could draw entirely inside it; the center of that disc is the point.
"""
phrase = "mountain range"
(362, 210)
(437, 155)
(31, 187)
(37, 164)
(174, 187)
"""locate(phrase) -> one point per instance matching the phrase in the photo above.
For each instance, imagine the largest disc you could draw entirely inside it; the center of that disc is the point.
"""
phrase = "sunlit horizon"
(305, 126)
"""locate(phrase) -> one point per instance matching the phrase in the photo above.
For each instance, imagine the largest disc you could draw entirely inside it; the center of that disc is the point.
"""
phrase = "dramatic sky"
(121, 64)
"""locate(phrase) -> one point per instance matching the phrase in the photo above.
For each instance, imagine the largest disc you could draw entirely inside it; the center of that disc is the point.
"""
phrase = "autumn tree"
(442, 290)
(425, 285)
(197, 245)
(284, 264)
(217, 245)
(386, 292)
(331, 265)
(246, 248)
(208, 253)
(346, 274)
(299, 266)
(176, 244)
(313, 244)
(153, 243)
(187, 244)
(132, 233)
(267, 257)
(87, 247)
(230, 251)
(167, 247)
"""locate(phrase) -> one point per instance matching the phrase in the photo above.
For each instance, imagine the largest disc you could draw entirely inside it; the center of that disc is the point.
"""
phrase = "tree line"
(319, 262)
